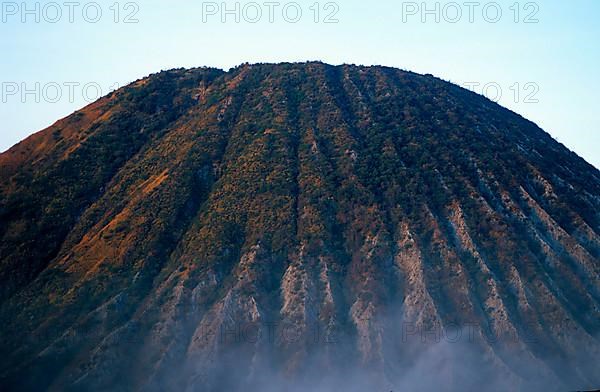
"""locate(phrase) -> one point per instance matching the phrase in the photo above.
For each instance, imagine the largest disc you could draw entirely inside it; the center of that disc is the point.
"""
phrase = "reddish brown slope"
(205, 225)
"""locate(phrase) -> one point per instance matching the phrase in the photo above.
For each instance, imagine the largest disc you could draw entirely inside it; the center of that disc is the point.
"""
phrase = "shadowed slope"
(205, 230)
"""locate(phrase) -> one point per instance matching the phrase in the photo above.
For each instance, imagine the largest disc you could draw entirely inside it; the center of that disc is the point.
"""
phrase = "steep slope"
(340, 227)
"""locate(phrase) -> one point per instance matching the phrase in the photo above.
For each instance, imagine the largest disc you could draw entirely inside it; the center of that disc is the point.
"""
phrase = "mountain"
(297, 227)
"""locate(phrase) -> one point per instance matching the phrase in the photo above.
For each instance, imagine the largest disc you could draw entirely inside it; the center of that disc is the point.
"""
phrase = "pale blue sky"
(556, 59)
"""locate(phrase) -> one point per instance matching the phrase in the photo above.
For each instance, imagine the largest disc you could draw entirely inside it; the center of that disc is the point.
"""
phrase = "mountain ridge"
(353, 201)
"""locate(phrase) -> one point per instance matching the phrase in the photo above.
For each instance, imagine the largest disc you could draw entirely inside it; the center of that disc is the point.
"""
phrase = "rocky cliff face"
(296, 227)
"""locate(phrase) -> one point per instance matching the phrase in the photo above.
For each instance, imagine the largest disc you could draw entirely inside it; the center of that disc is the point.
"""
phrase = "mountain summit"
(297, 227)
